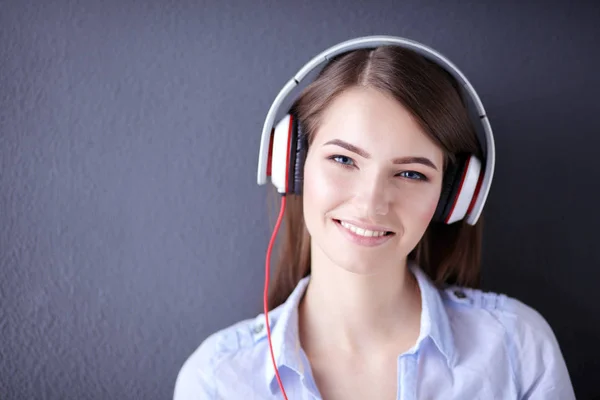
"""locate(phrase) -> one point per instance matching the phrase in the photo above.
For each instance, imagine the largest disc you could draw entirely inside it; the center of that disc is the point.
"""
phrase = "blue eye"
(342, 160)
(413, 175)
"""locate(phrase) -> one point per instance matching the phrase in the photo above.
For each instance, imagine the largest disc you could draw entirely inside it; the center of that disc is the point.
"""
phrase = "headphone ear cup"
(293, 146)
(459, 189)
(279, 165)
(464, 191)
(452, 171)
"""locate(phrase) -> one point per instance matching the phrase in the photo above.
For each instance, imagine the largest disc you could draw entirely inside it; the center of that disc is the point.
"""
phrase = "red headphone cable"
(266, 292)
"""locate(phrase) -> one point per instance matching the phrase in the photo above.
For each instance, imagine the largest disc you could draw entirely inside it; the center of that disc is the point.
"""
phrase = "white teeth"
(361, 231)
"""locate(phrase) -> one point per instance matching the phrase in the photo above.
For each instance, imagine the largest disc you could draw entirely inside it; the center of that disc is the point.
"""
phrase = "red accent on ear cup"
(475, 194)
(270, 157)
(455, 195)
(293, 142)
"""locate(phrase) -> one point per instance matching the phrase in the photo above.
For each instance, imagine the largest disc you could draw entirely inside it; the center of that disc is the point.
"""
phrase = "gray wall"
(131, 224)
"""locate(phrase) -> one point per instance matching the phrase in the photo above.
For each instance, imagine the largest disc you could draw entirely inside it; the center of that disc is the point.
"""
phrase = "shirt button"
(258, 328)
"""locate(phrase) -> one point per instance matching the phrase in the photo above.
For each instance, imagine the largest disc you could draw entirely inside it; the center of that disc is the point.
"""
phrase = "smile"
(363, 232)
(364, 236)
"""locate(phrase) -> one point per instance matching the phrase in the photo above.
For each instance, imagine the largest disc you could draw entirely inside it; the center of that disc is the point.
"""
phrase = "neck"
(359, 314)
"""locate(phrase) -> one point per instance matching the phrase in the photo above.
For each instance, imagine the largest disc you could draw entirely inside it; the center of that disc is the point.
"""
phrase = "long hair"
(448, 254)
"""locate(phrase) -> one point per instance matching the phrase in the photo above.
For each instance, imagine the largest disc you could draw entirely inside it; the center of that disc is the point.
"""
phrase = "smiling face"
(372, 180)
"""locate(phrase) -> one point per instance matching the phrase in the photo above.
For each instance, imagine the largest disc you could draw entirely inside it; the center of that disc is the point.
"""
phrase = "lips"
(364, 229)
(364, 235)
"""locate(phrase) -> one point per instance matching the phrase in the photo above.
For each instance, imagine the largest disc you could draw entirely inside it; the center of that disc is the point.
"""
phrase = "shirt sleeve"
(539, 365)
(195, 380)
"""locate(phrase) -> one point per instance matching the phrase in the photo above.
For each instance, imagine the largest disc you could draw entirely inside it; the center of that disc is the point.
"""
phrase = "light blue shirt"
(472, 345)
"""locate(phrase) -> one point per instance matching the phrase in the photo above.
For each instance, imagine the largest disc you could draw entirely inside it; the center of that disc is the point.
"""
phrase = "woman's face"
(372, 180)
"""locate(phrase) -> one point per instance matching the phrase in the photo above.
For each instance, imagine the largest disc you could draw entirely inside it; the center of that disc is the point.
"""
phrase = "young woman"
(375, 290)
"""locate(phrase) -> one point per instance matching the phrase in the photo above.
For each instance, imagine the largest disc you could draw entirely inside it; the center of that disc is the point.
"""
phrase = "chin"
(368, 264)
(347, 262)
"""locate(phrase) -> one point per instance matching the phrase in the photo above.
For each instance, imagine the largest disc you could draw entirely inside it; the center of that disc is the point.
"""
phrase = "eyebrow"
(400, 160)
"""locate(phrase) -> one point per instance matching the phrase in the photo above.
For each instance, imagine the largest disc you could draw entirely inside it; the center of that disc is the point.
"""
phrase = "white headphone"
(466, 187)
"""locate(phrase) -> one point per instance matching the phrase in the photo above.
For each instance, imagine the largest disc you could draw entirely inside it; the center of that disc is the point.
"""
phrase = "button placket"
(407, 376)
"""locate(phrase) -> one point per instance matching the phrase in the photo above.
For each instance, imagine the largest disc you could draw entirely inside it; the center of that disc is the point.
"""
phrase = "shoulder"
(198, 373)
(520, 334)
(227, 342)
(526, 325)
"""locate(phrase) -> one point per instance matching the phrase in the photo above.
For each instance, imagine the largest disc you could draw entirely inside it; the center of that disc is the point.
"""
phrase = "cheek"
(421, 207)
(315, 193)
(321, 188)
(429, 210)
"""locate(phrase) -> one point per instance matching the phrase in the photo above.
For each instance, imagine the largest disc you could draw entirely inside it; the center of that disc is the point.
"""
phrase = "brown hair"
(446, 253)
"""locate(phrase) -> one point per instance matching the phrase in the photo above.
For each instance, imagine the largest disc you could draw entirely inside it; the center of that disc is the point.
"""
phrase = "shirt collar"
(285, 337)
(435, 326)
(435, 323)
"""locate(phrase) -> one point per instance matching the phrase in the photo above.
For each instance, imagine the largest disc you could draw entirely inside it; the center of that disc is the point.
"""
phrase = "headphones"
(466, 184)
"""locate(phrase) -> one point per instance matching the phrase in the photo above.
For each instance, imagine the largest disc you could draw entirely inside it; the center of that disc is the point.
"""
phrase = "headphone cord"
(266, 292)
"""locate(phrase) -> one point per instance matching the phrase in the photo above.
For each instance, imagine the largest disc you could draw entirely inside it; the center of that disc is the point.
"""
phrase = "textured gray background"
(131, 224)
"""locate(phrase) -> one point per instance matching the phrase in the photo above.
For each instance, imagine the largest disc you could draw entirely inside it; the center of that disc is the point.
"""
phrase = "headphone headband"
(373, 42)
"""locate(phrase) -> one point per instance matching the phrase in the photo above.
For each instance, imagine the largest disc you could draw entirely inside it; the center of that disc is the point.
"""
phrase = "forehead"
(374, 120)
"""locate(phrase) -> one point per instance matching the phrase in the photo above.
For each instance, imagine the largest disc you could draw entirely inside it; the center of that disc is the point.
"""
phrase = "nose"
(373, 197)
